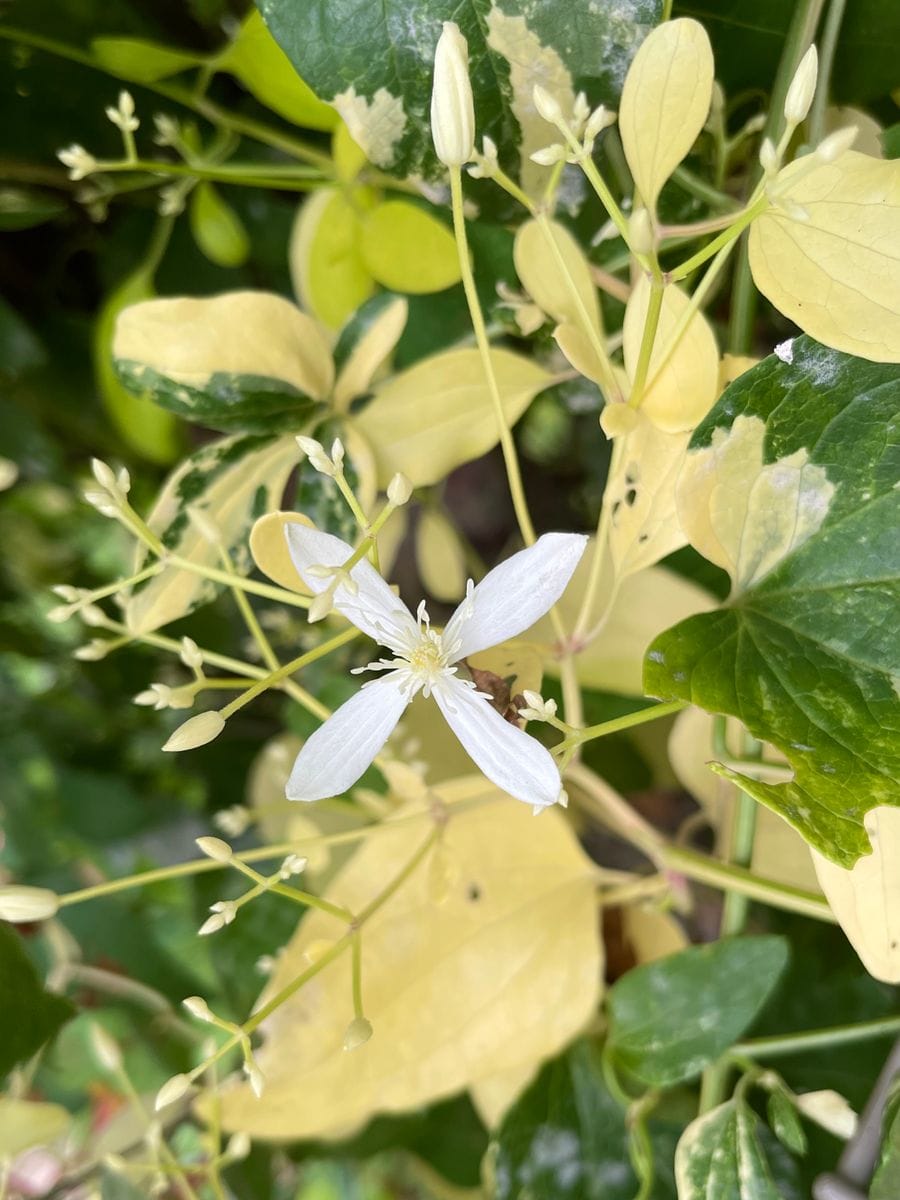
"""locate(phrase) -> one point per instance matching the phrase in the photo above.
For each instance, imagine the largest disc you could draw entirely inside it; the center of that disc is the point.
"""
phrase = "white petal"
(516, 593)
(340, 750)
(374, 609)
(511, 759)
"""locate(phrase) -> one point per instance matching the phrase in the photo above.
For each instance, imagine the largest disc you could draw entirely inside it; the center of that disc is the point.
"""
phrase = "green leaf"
(145, 428)
(805, 653)
(374, 63)
(784, 1121)
(217, 228)
(23, 208)
(721, 1157)
(886, 1180)
(406, 249)
(565, 1137)
(141, 61)
(29, 1015)
(671, 1018)
(116, 1187)
(233, 481)
(264, 71)
(247, 361)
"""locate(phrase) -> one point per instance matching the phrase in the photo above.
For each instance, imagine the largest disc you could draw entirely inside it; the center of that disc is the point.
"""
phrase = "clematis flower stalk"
(507, 601)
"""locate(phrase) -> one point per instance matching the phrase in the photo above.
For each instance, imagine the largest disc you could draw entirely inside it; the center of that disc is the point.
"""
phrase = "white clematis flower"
(508, 600)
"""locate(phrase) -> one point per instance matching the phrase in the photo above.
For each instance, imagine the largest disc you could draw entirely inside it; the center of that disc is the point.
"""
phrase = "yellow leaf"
(494, 1097)
(26, 1123)
(651, 932)
(835, 273)
(266, 71)
(390, 540)
(681, 389)
(665, 102)
(457, 991)
(437, 415)
(644, 524)
(349, 157)
(228, 493)
(645, 604)
(742, 514)
(542, 277)
(406, 249)
(370, 353)
(216, 227)
(440, 557)
(268, 546)
(330, 278)
(866, 899)
(733, 366)
(238, 333)
(779, 852)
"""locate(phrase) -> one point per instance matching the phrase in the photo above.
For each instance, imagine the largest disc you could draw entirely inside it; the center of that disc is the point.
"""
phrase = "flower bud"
(106, 1048)
(399, 490)
(640, 232)
(198, 1008)
(548, 106)
(321, 606)
(803, 88)
(20, 903)
(238, 1146)
(104, 474)
(196, 731)
(452, 107)
(190, 654)
(836, 144)
(215, 849)
(78, 160)
(293, 865)
(768, 156)
(172, 1090)
(357, 1033)
(93, 650)
(549, 156)
(256, 1077)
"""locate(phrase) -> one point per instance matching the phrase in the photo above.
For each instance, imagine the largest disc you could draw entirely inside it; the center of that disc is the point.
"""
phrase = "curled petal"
(340, 750)
(373, 607)
(515, 762)
(515, 594)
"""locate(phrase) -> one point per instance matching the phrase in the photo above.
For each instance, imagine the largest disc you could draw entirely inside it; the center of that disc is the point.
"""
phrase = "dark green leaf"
(22, 208)
(671, 1018)
(886, 1180)
(376, 62)
(807, 656)
(784, 1121)
(29, 1015)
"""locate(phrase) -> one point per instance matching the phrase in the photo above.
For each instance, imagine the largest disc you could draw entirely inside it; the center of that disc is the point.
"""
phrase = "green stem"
(282, 595)
(817, 1039)
(356, 973)
(827, 48)
(702, 190)
(743, 295)
(727, 236)
(648, 338)
(291, 179)
(289, 668)
(652, 713)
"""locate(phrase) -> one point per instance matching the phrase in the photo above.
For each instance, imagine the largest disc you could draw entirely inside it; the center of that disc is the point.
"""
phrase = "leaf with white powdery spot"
(791, 485)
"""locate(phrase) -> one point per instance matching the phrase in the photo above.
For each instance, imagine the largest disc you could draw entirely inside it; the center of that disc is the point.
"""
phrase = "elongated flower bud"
(19, 903)
(803, 88)
(196, 731)
(452, 107)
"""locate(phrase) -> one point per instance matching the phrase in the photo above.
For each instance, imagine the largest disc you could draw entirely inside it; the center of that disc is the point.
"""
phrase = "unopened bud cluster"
(581, 129)
(332, 465)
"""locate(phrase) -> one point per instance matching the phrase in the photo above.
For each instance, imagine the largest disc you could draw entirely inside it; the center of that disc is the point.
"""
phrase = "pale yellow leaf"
(440, 557)
(349, 157)
(644, 524)
(438, 414)
(779, 852)
(868, 130)
(390, 540)
(26, 1123)
(494, 1097)
(407, 249)
(682, 388)
(456, 992)
(538, 267)
(327, 270)
(733, 366)
(372, 350)
(665, 102)
(268, 546)
(651, 932)
(238, 333)
(645, 604)
(228, 494)
(866, 899)
(742, 514)
(835, 274)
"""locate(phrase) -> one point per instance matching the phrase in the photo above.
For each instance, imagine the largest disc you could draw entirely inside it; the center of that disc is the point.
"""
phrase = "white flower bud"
(215, 849)
(212, 925)
(190, 654)
(227, 910)
(548, 106)
(166, 129)
(321, 606)
(67, 593)
(172, 1090)
(196, 731)
(104, 474)
(234, 820)
(123, 115)
(538, 709)
(77, 159)
(315, 452)
(62, 612)
(357, 1033)
(803, 88)
(93, 650)
(93, 616)
(836, 144)
(198, 1008)
(548, 156)
(106, 1048)
(486, 163)
(399, 489)
(20, 903)
(238, 1146)
(294, 864)
(452, 107)
(337, 454)
(601, 118)
(256, 1077)
(768, 156)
